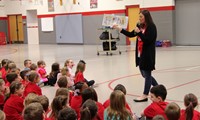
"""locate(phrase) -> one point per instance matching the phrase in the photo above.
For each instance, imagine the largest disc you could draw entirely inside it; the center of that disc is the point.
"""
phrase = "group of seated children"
(21, 97)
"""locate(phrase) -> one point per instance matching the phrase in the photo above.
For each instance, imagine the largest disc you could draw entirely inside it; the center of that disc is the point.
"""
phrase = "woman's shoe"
(141, 100)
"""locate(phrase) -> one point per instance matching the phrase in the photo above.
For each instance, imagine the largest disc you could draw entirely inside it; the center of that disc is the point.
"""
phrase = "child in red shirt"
(32, 85)
(123, 89)
(79, 74)
(44, 101)
(63, 83)
(4, 63)
(190, 102)
(90, 93)
(76, 101)
(24, 76)
(58, 103)
(34, 111)
(2, 93)
(42, 72)
(67, 114)
(10, 77)
(172, 111)
(158, 94)
(14, 105)
(89, 110)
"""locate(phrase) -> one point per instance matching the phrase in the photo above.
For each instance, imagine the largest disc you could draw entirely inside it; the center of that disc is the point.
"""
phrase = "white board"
(47, 24)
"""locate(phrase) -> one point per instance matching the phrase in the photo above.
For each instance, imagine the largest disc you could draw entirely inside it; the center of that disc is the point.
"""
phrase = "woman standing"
(145, 52)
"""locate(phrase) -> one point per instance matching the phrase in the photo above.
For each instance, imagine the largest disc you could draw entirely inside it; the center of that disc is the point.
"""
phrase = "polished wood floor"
(178, 68)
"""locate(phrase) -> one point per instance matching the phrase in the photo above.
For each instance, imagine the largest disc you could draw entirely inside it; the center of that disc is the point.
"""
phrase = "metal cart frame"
(109, 40)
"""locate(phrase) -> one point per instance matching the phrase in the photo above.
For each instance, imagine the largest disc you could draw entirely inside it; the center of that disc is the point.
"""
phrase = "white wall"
(16, 7)
(2, 7)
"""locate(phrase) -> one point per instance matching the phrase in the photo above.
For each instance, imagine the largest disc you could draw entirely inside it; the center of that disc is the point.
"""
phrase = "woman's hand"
(117, 27)
(137, 30)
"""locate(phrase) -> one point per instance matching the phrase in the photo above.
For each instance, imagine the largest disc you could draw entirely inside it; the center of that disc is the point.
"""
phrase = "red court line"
(156, 71)
(184, 84)
(113, 80)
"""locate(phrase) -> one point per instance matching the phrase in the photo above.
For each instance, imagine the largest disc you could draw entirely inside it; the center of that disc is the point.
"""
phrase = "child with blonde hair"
(123, 89)
(117, 109)
(65, 72)
(69, 63)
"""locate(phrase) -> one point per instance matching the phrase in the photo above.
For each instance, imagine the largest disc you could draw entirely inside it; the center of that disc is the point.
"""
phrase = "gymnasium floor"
(178, 68)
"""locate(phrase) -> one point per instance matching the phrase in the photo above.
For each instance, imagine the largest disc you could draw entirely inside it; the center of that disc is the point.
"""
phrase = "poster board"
(47, 24)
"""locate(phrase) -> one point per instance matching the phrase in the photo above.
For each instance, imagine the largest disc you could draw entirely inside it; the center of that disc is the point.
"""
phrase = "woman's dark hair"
(190, 101)
(89, 93)
(147, 17)
(88, 110)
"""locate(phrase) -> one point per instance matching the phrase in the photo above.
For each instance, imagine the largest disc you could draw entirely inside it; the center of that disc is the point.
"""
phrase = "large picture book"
(110, 19)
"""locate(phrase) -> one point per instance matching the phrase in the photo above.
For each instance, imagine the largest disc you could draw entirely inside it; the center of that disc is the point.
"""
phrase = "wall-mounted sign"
(51, 5)
(93, 3)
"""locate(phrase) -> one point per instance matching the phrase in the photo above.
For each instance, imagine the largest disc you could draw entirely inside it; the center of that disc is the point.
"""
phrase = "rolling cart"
(109, 44)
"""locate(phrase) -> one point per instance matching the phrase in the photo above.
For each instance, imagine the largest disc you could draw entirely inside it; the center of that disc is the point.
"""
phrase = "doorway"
(32, 26)
(132, 12)
(16, 33)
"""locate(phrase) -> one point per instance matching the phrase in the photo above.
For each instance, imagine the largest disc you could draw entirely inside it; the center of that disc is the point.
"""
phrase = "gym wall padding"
(69, 29)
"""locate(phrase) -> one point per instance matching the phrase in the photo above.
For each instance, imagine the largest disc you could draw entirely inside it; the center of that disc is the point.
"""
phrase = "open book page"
(110, 19)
